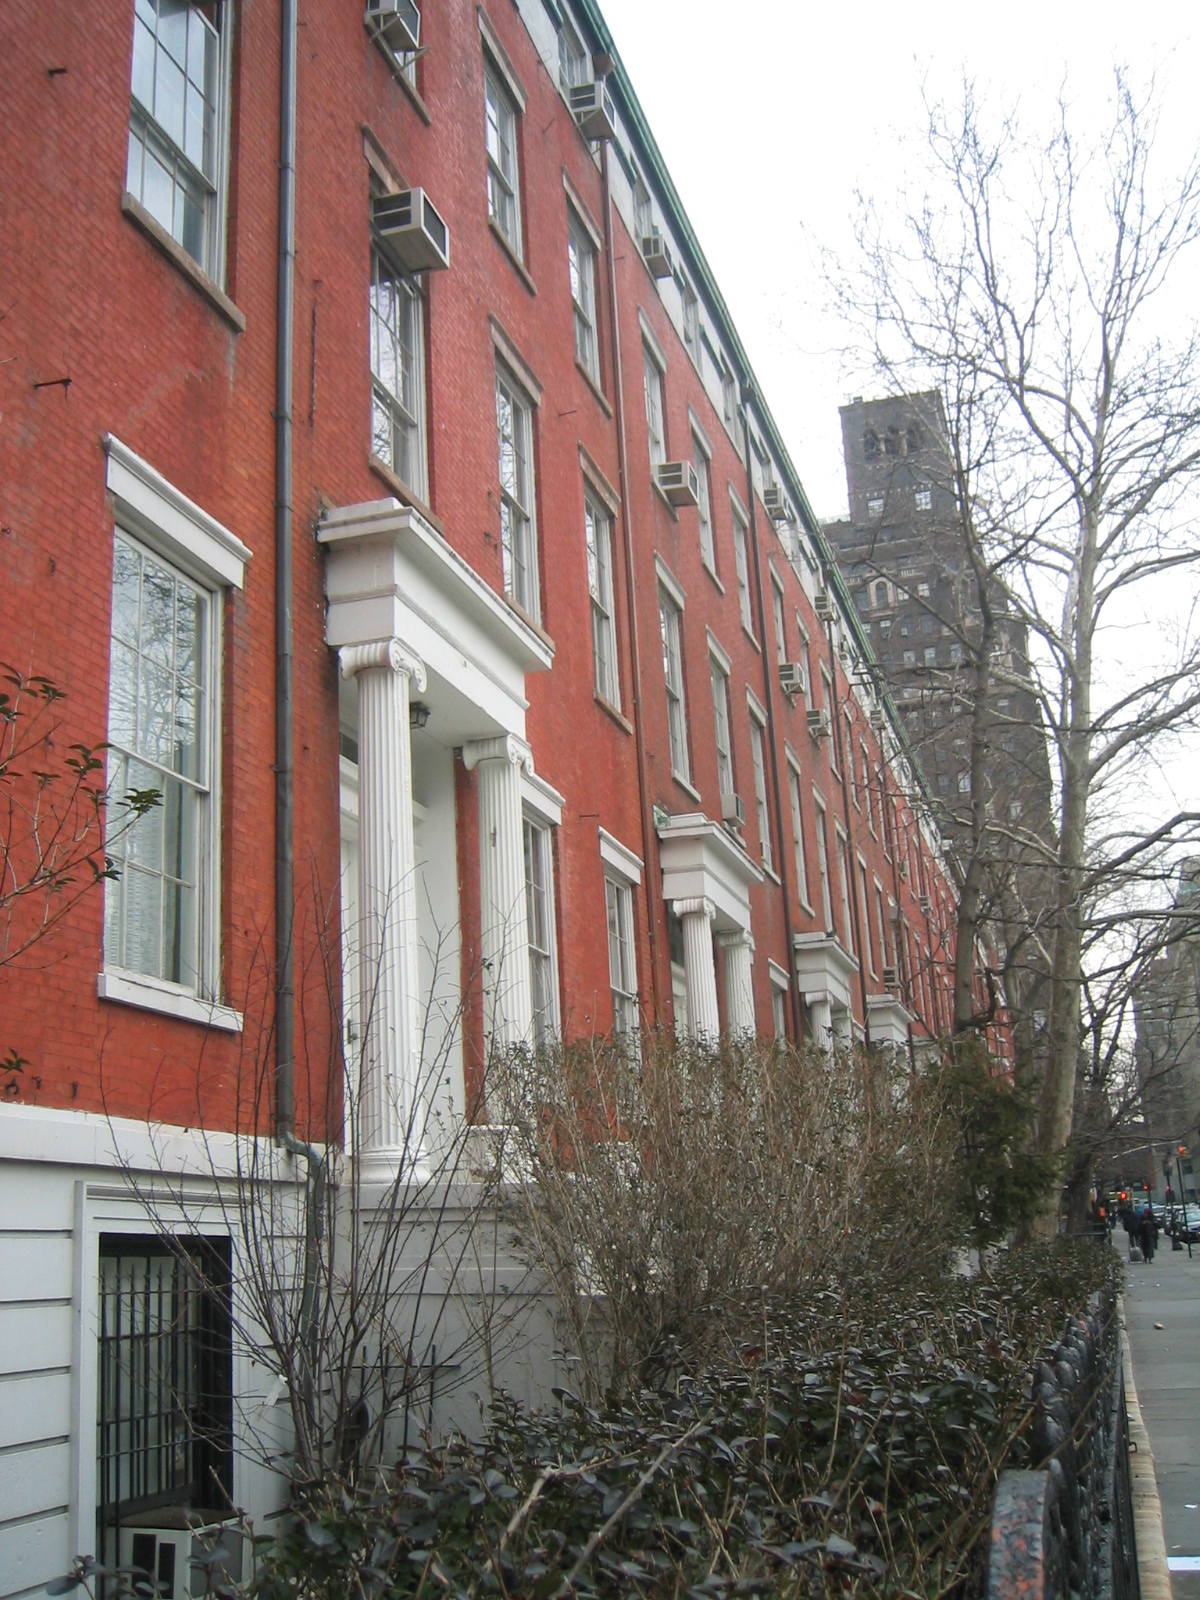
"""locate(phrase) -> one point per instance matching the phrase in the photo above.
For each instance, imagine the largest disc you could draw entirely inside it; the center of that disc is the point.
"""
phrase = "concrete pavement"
(1166, 1370)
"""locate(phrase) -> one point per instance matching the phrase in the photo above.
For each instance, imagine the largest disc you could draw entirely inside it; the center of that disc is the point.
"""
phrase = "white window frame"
(866, 778)
(806, 659)
(729, 400)
(834, 741)
(758, 757)
(822, 827)
(881, 922)
(741, 564)
(151, 514)
(643, 211)
(864, 906)
(538, 841)
(503, 159)
(393, 418)
(652, 383)
(574, 62)
(841, 847)
(798, 842)
(150, 139)
(581, 268)
(719, 677)
(518, 503)
(622, 874)
(777, 608)
(597, 529)
(691, 321)
(848, 732)
(779, 998)
(704, 518)
(923, 497)
(670, 618)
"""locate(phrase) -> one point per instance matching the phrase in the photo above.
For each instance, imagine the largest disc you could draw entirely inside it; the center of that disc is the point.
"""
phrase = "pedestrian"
(1148, 1234)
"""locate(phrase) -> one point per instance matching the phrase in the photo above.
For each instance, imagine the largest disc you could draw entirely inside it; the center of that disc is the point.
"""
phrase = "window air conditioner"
(776, 503)
(397, 22)
(891, 977)
(877, 718)
(657, 255)
(410, 231)
(180, 1561)
(925, 903)
(678, 482)
(732, 809)
(818, 723)
(903, 871)
(593, 110)
(823, 605)
(791, 677)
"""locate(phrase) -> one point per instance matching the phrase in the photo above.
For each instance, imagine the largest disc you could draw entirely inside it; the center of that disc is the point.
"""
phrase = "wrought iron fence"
(1066, 1529)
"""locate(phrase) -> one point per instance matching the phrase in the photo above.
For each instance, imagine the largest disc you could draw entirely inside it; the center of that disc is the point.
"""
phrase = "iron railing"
(1065, 1530)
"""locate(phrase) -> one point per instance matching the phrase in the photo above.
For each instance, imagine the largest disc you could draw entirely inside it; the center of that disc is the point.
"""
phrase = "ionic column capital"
(356, 658)
(701, 906)
(733, 938)
(502, 747)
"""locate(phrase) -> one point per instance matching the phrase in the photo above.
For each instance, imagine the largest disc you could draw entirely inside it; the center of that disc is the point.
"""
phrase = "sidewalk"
(1166, 1369)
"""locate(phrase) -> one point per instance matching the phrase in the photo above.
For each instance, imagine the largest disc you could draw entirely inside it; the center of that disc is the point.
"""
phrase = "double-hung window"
(652, 381)
(581, 262)
(539, 911)
(798, 834)
(691, 322)
(573, 64)
(171, 564)
(729, 400)
(503, 178)
(780, 624)
(708, 552)
(670, 625)
(823, 864)
(844, 889)
(397, 374)
(760, 789)
(598, 535)
(177, 122)
(518, 527)
(865, 915)
(622, 957)
(742, 568)
(720, 699)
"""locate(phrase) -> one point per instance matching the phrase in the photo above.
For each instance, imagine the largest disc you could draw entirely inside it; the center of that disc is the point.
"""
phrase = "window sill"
(403, 493)
(506, 246)
(769, 871)
(601, 397)
(149, 994)
(712, 572)
(612, 713)
(158, 236)
(688, 788)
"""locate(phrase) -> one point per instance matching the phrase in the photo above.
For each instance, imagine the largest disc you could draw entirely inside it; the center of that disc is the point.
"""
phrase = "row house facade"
(383, 481)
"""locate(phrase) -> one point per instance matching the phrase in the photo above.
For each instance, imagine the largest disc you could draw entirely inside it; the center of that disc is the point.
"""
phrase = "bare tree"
(1032, 285)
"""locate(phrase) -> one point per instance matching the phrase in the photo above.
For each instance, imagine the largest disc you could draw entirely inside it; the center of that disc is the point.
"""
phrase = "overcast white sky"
(770, 114)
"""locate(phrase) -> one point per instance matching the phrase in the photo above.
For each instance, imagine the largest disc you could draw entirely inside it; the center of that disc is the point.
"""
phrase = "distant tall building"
(1166, 1012)
(903, 553)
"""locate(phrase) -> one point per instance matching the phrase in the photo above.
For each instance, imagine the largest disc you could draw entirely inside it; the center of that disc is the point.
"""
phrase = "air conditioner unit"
(891, 977)
(397, 22)
(657, 255)
(818, 723)
(678, 482)
(732, 809)
(593, 110)
(791, 677)
(410, 232)
(776, 503)
(823, 605)
(180, 1561)
(902, 870)
(925, 903)
(877, 718)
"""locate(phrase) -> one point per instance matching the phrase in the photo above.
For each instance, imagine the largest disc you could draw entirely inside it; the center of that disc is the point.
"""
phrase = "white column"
(389, 1119)
(739, 983)
(821, 1016)
(699, 968)
(504, 930)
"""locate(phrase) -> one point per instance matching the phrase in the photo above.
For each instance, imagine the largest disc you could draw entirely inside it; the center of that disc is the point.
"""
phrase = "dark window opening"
(870, 444)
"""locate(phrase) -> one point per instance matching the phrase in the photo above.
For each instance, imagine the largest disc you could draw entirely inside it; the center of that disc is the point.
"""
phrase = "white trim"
(582, 215)
(757, 709)
(515, 361)
(739, 508)
(500, 59)
(541, 798)
(670, 582)
(151, 994)
(621, 859)
(718, 653)
(778, 976)
(598, 482)
(650, 339)
(173, 525)
(701, 437)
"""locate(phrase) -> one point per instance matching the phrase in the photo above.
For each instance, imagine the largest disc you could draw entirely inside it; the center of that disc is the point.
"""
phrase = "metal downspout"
(649, 838)
(769, 692)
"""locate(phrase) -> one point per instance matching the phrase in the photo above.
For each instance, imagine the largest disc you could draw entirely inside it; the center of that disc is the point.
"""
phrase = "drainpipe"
(285, 865)
(847, 756)
(889, 829)
(769, 693)
(649, 838)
